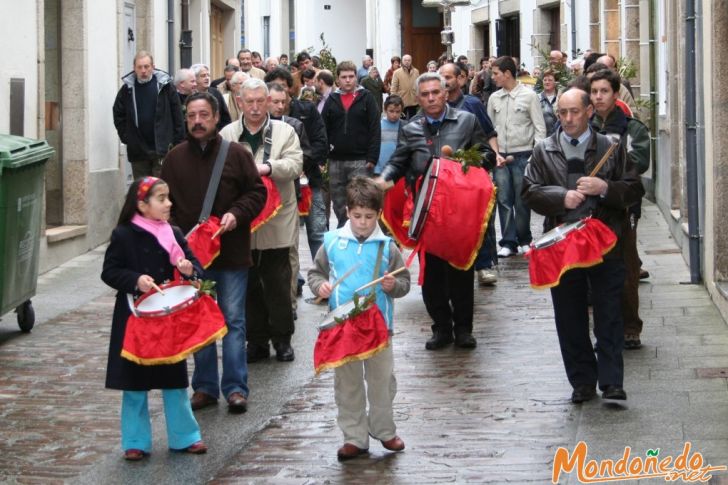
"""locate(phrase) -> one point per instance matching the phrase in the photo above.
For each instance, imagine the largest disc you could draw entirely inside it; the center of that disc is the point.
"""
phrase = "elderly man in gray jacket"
(446, 291)
(278, 155)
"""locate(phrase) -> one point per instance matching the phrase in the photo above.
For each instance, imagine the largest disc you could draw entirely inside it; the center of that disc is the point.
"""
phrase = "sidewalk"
(497, 414)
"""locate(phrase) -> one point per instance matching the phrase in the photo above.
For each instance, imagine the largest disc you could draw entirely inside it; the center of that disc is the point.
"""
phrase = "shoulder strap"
(214, 181)
(378, 263)
(267, 141)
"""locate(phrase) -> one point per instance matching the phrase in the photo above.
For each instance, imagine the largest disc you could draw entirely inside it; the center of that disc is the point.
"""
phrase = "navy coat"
(133, 252)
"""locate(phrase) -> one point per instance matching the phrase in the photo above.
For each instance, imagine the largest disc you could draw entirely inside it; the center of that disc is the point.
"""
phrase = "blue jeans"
(487, 255)
(231, 286)
(136, 425)
(316, 223)
(515, 217)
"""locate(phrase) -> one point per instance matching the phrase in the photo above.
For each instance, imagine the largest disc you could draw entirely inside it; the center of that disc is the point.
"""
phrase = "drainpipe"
(573, 29)
(653, 88)
(185, 40)
(170, 37)
(691, 145)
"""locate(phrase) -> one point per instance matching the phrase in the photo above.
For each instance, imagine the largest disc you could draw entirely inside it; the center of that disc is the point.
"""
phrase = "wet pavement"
(495, 414)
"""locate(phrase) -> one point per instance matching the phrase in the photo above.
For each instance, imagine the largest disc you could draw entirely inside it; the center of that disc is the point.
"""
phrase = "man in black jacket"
(446, 291)
(351, 116)
(554, 185)
(147, 116)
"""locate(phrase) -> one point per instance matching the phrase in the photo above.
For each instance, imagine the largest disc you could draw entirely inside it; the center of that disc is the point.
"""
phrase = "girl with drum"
(145, 248)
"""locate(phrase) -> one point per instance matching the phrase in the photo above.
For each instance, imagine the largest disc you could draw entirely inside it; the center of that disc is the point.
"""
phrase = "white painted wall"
(383, 32)
(582, 25)
(461, 22)
(19, 38)
(344, 27)
(102, 86)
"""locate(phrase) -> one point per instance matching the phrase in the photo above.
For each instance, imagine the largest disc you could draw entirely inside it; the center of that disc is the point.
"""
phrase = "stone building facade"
(70, 56)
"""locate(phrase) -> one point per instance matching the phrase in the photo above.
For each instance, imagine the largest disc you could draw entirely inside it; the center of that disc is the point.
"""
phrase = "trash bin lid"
(16, 151)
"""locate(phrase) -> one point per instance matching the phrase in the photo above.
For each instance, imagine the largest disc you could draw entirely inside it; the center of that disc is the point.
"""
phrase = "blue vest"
(344, 252)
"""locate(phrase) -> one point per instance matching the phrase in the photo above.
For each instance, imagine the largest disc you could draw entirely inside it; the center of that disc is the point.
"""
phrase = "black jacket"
(133, 252)
(168, 124)
(307, 113)
(417, 143)
(355, 134)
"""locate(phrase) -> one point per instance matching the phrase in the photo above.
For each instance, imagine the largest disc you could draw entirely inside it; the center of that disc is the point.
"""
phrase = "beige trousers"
(351, 398)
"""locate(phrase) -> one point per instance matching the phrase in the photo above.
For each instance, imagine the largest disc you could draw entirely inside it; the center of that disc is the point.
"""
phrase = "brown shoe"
(201, 400)
(134, 454)
(237, 403)
(395, 444)
(349, 451)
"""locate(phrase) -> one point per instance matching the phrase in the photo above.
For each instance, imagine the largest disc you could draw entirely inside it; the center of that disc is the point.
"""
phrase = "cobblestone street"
(495, 414)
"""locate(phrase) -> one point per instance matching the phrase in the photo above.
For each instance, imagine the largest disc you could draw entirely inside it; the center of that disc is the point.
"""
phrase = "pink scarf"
(162, 232)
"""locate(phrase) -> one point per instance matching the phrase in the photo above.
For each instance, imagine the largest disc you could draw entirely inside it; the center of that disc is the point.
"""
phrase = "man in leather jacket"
(554, 187)
(446, 291)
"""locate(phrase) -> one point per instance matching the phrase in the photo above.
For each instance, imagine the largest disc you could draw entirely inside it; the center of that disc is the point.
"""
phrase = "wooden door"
(421, 28)
(217, 44)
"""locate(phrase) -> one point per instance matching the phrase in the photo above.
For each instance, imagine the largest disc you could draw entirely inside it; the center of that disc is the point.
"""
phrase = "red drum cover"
(397, 213)
(200, 241)
(581, 248)
(168, 339)
(459, 213)
(357, 338)
(304, 205)
(272, 205)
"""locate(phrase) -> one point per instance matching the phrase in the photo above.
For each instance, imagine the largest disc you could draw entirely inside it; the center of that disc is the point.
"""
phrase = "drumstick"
(319, 299)
(603, 160)
(159, 290)
(379, 280)
(217, 233)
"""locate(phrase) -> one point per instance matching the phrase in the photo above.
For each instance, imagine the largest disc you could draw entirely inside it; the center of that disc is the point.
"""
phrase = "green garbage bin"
(22, 168)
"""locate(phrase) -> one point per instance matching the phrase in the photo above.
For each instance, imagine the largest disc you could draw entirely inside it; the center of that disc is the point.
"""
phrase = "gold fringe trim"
(586, 264)
(483, 228)
(273, 214)
(178, 357)
(214, 257)
(352, 358)
(388, 225)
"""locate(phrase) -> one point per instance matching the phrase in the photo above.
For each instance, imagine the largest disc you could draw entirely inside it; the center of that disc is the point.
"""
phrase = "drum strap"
(378, 262)
(214, 181)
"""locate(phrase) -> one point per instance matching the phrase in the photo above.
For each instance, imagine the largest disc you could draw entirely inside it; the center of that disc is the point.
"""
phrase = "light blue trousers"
(136, 425)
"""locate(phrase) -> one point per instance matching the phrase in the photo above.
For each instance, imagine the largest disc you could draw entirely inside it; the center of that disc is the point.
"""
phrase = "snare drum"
(451, 211)
(557, 234)
(166, 328)
(579, 244)
(351, 338)
(273, 204)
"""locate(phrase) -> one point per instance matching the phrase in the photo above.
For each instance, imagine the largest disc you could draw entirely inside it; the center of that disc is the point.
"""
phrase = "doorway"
(421, 27)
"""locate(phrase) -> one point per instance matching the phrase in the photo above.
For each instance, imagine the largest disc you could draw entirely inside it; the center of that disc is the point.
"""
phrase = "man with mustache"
(239, 198)
(147, 116)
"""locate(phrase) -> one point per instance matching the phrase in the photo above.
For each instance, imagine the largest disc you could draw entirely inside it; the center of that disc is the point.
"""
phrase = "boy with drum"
(552, 188)
(360, 244)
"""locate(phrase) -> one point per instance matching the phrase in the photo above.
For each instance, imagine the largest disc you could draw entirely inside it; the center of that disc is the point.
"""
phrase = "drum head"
(340, 311)
(424, 199)
(557, 234)
(175, 296)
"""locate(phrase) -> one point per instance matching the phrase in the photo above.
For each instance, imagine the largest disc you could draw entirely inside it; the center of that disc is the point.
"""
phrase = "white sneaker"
(486, 277)
(523, 249)
(505, 252)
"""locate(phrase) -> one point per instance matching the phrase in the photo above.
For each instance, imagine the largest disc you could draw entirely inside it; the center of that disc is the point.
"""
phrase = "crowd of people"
(347, 135)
